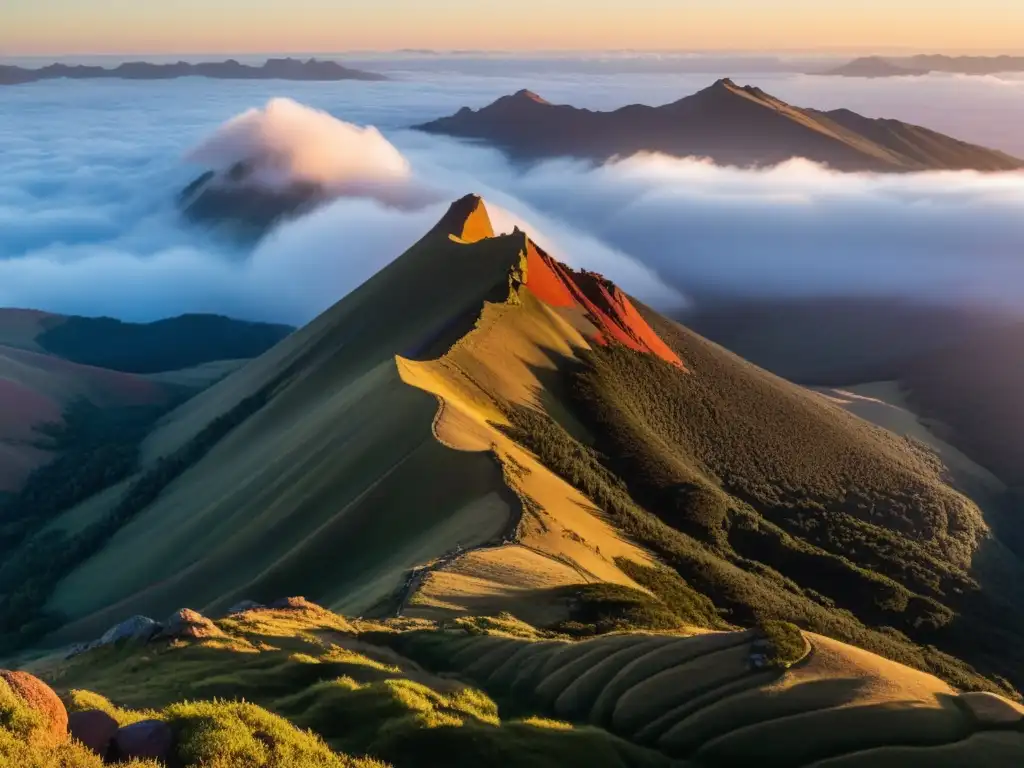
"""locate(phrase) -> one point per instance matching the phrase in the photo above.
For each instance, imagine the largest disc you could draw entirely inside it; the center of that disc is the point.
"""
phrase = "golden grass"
(576, 701)
(663, 691)
(659, 660)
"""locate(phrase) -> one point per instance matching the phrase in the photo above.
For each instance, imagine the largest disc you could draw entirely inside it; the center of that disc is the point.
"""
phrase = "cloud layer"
(88, 222)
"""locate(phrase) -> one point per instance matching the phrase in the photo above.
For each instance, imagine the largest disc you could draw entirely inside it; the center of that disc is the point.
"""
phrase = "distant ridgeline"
(165, 345)
(272, 69)
(922, 64)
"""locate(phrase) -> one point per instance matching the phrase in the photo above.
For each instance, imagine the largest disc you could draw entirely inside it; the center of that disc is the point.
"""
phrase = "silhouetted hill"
(164, 345)
(921, 64)
(876, 66)
(730, 124)
(272, 69)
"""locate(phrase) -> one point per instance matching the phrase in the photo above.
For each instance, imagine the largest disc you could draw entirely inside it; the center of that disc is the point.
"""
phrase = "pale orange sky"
(209, 26)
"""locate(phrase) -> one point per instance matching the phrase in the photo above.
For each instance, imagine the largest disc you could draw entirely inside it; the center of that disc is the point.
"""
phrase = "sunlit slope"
(701, 699)
(512, 357)
(337, 485)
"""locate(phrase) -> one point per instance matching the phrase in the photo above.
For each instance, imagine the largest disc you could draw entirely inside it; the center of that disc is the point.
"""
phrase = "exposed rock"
(243, 606)
(140, 628)
(189, 623)
(145, 740)
(296, 603)
(94, 728)
(40, 698)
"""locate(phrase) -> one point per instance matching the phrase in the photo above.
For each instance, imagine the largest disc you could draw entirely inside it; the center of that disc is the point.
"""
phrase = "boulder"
(140, 628)
(189, 623)
(295, 603)
(40, 698)
(145, 740)
(243, 606)
(94, 728)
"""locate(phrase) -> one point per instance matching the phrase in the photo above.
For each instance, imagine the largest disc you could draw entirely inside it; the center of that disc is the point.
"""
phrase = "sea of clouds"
(90, 171)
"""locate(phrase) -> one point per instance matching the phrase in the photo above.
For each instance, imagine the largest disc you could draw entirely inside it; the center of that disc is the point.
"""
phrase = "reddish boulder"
(94, 728)
(188, 623)
(145, 740)
(295, 603)
(40, 698)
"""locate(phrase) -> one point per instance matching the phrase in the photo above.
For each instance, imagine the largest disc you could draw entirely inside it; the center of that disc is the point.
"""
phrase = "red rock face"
(608, 308)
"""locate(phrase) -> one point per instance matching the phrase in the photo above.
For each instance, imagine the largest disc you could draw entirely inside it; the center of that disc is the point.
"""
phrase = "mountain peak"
(527, 95)
(467, 219)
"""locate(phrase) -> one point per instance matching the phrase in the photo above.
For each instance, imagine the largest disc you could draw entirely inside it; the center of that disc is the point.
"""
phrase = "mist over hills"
(922, 64)
(509, 462)
(729, 124)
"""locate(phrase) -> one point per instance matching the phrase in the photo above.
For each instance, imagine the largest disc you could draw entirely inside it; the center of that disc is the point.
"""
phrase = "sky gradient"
(53, 27)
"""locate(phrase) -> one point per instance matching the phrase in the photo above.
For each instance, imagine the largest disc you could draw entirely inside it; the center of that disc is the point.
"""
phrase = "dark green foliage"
(28, 576)
(595, 609)
(782, 643)
(679, 597)
(747, 590)
(93, 448)
(166, 345)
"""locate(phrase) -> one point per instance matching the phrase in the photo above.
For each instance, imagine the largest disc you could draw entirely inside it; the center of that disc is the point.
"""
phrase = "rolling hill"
(730, 124)
(50, 363)
(543, 500)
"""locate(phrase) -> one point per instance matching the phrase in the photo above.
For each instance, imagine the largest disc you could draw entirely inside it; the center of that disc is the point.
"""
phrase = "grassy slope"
(337, 486)
(36, 388)
(516, 349)
(484, 690)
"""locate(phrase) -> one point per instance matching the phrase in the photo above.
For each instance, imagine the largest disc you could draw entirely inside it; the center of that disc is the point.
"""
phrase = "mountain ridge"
(230, 69)
(523, 479)
(725, 122)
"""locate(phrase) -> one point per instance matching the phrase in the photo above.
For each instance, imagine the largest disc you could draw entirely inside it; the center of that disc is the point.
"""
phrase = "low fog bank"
(101, 236)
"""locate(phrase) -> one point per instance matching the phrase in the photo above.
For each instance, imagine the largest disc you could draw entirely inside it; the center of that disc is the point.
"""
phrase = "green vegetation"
(744, 589)
(165, 345)
(305, 688)
(25, 741)
(30, 573)
(597, 609)
(783, 643)
(93, 448)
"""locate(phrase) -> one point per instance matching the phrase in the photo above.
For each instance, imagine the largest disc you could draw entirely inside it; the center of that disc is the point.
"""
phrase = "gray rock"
(140, 628)
(145, 740)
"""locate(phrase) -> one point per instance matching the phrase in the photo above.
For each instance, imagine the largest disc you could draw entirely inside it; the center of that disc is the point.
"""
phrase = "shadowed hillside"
(730, 124)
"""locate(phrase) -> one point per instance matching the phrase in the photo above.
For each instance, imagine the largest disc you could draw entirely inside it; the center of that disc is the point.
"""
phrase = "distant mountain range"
(272, 69)
(903, 66)
(725, 122)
